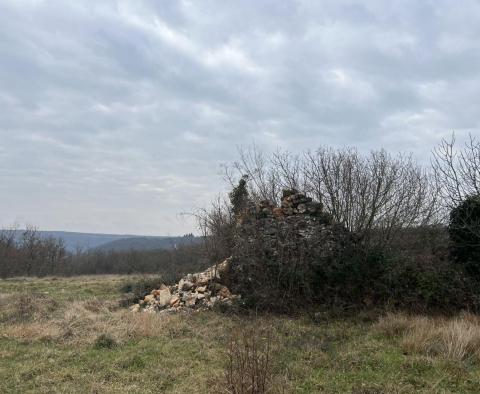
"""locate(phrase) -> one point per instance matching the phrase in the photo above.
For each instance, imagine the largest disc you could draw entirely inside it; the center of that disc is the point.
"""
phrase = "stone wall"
(277, 248)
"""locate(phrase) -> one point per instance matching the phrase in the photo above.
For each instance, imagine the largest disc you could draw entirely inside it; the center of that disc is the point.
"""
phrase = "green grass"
(67, 289)
(186, 353)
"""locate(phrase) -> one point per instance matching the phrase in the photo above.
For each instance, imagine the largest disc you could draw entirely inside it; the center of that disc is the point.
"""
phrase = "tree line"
(31, 254)
(390, 202)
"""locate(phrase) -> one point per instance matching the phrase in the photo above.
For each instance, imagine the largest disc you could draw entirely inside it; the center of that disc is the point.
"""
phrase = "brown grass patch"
(456, 338)
(393, 324)
(79, 322)
(25, 307)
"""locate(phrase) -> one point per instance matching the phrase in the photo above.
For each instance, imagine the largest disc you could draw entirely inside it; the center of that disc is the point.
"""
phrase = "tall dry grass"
(456, 338)
(33, 318)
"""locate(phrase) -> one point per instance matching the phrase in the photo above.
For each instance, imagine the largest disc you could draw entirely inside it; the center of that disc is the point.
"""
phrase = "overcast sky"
(115, 116)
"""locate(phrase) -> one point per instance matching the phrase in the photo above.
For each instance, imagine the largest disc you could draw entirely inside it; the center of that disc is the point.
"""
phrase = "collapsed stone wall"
(283, 239)
(278, 249)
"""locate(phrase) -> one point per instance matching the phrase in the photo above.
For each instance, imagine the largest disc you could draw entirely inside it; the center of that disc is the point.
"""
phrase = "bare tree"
(457, 171)
(217, 227)
(374, 195)
(8, 251)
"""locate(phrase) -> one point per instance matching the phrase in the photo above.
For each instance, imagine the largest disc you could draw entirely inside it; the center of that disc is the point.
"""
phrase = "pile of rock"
(198, 291)
(293, 202)
(297, 218)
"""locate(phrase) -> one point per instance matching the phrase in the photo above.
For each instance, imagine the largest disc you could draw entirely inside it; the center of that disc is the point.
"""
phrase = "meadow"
(72, 335)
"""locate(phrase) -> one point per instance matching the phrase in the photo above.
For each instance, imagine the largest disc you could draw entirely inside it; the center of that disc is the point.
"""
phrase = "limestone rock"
(185, 285)
(175, 300)
(149, 298)
(164, 297)
(224, 292)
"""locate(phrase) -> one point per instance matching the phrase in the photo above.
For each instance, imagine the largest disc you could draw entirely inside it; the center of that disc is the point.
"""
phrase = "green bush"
(105, 341)
(358, 278)
(464, 232)
(239, 196)
(380, 278)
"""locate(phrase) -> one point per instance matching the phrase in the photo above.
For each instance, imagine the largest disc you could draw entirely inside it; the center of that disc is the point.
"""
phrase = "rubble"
(198, 291)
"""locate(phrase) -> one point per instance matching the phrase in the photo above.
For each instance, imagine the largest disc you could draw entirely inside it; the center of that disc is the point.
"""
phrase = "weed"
(105, 341)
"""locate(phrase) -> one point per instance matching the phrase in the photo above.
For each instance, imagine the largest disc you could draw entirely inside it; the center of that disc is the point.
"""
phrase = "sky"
(117, 116)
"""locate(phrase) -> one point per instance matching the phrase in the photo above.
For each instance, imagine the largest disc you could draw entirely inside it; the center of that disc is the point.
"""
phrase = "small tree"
(457, 170)
(239, 196)
(464, 231)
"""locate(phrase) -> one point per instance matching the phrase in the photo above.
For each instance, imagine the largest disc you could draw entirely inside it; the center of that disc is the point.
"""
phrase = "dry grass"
(393, 324)
(456, 338)
(26, 307)
(79, 341)
(80, 322)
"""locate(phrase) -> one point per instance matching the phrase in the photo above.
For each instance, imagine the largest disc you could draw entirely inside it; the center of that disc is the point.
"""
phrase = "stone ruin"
(297, 222)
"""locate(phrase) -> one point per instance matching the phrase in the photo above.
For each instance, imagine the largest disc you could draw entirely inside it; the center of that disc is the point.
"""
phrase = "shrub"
(249, 368)
(105, 341)
(300, 261)
(356, 277)
(239, 196)
(464, 231)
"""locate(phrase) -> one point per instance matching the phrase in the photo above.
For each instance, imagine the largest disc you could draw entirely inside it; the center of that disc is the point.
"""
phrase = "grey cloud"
(116, 115)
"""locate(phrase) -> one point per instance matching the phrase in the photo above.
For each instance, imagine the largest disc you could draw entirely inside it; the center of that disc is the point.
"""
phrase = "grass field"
(62, 335)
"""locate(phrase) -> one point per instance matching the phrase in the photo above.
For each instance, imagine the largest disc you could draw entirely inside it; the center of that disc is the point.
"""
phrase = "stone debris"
(198, 291)
(292, 203)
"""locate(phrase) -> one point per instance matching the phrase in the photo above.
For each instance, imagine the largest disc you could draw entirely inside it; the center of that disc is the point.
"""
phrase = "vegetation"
(464, 231)
(404, 242)
(239, 196)
(57, 350)
(398, 254)
(373, 195)
(33, 255)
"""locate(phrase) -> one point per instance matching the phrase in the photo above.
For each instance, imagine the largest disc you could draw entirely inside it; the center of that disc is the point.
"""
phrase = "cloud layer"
(115, 116)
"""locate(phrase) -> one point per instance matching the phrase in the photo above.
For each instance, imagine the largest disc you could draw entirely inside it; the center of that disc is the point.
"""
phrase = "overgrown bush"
(464, 231)
(239, 196)
(218, 227)
(276, 268)
(346, 275)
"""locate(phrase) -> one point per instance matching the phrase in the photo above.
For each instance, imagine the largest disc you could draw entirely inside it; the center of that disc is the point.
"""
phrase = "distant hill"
(86, 241)
(83, 241)
(148, 243)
